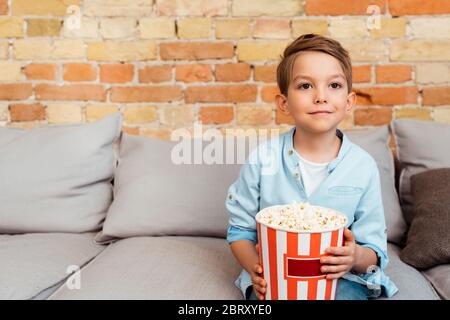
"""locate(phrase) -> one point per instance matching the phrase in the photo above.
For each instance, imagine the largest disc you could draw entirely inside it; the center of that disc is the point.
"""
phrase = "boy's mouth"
(320, 112)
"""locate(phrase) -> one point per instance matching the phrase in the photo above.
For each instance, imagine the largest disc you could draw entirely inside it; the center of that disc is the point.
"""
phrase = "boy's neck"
(320, 148)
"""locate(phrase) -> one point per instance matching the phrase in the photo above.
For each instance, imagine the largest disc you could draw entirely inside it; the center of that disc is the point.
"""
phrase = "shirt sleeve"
(242, 203)
(369, 227)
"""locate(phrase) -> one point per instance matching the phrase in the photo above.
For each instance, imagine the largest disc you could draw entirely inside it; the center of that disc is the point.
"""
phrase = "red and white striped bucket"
(291, 262)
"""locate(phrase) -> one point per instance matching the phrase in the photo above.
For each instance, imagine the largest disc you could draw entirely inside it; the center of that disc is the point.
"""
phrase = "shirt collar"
(289, 149)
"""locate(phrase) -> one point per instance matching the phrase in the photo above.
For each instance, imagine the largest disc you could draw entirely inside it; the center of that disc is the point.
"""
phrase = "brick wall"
(166, 64)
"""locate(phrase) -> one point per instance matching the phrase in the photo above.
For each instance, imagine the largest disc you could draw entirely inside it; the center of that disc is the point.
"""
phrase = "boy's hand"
(259, 284)
(341, 259)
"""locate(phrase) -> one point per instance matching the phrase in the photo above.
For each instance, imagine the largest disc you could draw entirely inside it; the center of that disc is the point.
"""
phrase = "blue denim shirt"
(271, 176)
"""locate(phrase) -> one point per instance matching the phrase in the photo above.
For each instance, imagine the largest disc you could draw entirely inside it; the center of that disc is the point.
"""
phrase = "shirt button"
(230, 197)
(296, 175)
(290, 152)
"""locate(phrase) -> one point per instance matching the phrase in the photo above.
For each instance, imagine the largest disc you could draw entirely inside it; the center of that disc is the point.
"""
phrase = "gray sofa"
(161, 233)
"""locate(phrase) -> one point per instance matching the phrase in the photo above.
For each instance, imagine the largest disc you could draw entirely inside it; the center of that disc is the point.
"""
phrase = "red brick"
(417, 7)
(237, 93)
(216, 115)
(386, 95)
(79, 72)
(161, 133)
(38, 71)
(232, 72)
(253, 115)
(196, 50)
(372, 117)
(281, 118)
(436, 96)
(71, 92)
(155, 74)
(27, 112)
(193, 72)
(266, 73)
(3, 7)
(146, 94)
(341, 7)
(15, 91)
(268, 93)
(393, 73)
(116, 73)
(361, 74)
(131, 130)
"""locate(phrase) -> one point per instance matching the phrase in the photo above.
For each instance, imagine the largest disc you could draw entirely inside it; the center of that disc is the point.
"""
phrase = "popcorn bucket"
(291, 261)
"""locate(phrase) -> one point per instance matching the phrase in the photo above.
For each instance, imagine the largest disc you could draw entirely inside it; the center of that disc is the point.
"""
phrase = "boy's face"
(318, 97)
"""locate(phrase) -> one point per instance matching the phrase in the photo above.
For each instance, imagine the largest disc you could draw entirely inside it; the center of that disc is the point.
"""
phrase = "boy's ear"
(281, 102)
(351, 102)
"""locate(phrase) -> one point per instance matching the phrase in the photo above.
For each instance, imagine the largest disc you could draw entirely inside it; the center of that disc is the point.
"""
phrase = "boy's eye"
(336, 85)
(304, 86)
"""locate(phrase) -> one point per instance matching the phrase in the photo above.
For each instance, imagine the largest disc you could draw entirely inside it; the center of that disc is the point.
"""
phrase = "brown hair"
(311, 42)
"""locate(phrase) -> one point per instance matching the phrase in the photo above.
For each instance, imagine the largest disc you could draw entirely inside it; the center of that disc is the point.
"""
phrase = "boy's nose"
(320, 100)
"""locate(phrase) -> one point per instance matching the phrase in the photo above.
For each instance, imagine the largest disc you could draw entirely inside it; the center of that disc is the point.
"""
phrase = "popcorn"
(301, 217)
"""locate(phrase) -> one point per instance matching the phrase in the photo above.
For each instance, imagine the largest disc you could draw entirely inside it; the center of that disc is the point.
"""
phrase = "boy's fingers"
(259, 294)
(334, 269)
(335, 260)
(338, 251)
(259, 281)
(335, 275)
(257, 268)
(260, 297)
(259, 289)
(348, 235)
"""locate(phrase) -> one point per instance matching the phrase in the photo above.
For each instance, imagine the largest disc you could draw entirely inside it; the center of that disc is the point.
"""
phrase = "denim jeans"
(346, 290)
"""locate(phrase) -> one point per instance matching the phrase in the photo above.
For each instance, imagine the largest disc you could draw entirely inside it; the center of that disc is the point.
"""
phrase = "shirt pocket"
(345, 191)
(345, 199)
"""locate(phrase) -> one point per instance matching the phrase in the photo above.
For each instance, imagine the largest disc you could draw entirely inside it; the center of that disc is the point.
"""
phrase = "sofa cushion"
(439, 277)
(153, 196)
(31, 263)
(428, 243)
(376, 143)
(411, 284)
(193, 268)
(57, 178)
(159, 268)
(421, 146)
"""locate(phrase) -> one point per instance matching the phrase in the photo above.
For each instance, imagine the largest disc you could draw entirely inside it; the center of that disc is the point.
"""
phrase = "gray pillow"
(428, 242)
(421, 146)
(57, 178)
(155, 197)
(376, 142)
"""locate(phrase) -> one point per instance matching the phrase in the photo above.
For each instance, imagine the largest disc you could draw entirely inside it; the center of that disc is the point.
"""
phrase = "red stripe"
(292, 250)
(272, 241)
(312, 289)
(329, 283)
(260, 249)
(314, 251)
(334, 238)
(329, 288)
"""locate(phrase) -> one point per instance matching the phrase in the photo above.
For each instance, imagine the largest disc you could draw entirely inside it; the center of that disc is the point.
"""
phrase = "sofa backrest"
(154, 196)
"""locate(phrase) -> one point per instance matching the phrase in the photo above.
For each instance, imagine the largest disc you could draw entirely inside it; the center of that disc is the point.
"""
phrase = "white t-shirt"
(312, 174)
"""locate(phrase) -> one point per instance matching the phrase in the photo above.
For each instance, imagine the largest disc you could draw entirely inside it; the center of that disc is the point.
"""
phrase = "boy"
(319, 165)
